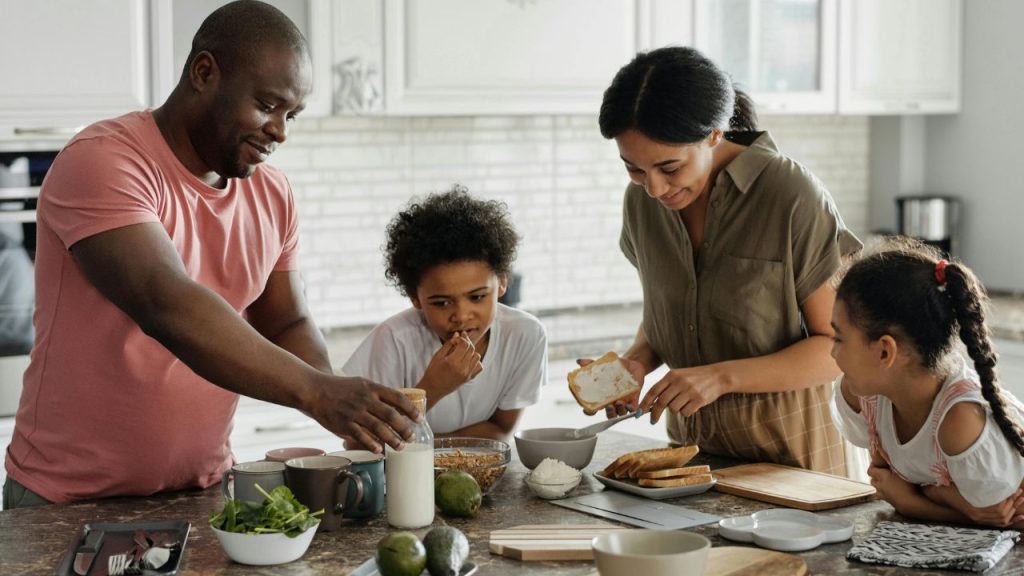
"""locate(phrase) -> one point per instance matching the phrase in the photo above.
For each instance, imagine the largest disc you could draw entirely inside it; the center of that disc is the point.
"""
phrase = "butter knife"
(595, 428)
(86, 553)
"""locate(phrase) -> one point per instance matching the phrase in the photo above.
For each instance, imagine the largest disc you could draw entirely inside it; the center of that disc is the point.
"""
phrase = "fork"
(120, 564)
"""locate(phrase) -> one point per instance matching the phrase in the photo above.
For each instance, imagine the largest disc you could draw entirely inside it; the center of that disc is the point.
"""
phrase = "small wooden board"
(740, 561)
(792, 487)
(548, 541)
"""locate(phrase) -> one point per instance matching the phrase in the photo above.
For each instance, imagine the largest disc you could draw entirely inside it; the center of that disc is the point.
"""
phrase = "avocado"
(456, 493)
(447, 550)
(401, 554)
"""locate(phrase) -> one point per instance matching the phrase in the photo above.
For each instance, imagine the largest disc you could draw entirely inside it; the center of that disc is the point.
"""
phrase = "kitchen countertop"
(34, 540)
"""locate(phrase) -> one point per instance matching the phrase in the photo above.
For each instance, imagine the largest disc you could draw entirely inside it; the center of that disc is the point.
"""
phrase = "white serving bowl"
(651, 553)
(264, 549)
(553, 490)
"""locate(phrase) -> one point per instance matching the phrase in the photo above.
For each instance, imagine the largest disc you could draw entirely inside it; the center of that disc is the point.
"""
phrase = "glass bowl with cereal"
(483, 459)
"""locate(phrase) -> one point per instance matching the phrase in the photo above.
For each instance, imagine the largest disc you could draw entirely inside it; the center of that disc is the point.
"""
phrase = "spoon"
(600, 426)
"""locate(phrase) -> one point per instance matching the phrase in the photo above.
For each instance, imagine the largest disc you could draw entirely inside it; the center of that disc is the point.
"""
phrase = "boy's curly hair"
(444, 228)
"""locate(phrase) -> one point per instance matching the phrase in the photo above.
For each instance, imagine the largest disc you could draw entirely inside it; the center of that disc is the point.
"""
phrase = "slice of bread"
(667, 458)
(674, 482)
(602, 383)
(675, 472)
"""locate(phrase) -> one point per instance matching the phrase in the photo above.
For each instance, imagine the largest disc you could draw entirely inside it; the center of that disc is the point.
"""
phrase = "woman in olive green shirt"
(735, 244)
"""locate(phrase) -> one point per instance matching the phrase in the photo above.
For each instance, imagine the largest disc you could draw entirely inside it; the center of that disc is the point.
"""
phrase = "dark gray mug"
(370, 467)
(244, 477)
(321, 482)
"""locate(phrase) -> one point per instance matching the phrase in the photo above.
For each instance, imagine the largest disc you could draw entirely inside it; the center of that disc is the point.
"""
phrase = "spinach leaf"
(280, 513)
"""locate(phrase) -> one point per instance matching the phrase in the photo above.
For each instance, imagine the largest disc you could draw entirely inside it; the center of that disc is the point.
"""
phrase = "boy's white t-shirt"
(397, 352)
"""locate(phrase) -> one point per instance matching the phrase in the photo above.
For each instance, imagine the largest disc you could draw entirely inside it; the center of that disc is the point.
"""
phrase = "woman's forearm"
(805, 364)
(642, 352)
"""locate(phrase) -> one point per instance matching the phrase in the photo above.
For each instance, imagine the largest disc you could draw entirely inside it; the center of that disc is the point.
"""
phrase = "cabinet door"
(504, 56)
(900, 56)
(781, 52)
(70, 62)
(178, 21)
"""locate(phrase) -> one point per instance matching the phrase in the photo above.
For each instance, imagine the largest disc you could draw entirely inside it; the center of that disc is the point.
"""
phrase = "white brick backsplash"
(562, 181)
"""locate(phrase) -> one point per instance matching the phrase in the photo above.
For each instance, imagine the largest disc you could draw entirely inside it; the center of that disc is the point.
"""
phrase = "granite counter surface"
(34, 540)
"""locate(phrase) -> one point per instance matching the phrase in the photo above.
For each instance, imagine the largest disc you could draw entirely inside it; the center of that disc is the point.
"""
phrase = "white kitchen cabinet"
(900, 57)
(67, 63)
(466, 57)
(781, 52)
(177, 21)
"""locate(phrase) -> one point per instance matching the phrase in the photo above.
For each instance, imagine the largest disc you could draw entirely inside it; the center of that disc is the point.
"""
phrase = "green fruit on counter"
(456, 493)
(447, 550)
(401, 554)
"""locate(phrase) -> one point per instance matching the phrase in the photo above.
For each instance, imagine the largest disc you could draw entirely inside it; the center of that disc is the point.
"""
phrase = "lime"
(456, 493)
(401, 554)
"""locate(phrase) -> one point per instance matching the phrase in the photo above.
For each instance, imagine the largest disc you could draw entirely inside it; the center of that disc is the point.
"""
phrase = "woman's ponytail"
(744, 114)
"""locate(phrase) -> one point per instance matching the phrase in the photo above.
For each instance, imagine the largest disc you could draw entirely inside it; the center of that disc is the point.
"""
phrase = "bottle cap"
(418, 396)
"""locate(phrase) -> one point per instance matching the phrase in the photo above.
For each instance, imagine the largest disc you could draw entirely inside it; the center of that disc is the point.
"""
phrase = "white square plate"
(654, 493)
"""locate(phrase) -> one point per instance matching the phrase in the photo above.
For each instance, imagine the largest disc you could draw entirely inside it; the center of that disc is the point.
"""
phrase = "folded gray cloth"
(927, 546)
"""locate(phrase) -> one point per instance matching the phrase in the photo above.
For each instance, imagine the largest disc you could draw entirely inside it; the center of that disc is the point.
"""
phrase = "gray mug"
(244, 477)
(321, 483)
(370, 467)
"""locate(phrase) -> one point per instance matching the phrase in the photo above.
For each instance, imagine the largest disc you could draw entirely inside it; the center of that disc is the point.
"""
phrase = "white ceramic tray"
(786, 530)
(369, 568)
(654, 493)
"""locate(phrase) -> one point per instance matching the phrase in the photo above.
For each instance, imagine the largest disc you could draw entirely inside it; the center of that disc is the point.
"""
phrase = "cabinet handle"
(48, 131)
(293, 425)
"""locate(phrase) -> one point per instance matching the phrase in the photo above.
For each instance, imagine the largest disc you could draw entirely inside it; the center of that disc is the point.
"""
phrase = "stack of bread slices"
(659, 468)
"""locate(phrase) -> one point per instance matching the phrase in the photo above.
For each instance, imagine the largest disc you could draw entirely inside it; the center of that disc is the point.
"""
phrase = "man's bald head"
(237, 32)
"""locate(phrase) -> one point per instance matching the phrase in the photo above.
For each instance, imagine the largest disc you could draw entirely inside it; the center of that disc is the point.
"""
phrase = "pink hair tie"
(940, 274)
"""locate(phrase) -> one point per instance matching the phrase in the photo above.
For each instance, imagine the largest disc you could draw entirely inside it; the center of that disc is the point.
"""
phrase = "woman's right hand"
(621, 407)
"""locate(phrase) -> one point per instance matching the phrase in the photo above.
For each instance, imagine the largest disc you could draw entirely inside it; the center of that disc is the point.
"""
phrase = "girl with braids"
(946, 441)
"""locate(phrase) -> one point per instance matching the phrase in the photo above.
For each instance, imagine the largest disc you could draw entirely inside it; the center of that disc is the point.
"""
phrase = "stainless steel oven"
(21, 174)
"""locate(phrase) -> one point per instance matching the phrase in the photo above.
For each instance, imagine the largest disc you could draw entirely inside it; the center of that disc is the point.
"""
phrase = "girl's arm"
(498, 427)
(1007, 514)
(908, 499)
(801, 365)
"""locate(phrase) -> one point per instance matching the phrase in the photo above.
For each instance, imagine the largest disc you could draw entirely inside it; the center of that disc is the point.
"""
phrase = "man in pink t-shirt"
(167, 284)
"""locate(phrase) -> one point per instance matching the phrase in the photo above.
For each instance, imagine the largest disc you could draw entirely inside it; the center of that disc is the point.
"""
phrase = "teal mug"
(370, 468)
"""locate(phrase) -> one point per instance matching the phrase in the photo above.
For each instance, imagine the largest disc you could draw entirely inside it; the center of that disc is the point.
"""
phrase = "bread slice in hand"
(675, 482)
(675, 472)
(602, 382)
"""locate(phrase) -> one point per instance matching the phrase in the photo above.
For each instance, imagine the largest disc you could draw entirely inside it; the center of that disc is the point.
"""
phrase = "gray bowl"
(558, 443)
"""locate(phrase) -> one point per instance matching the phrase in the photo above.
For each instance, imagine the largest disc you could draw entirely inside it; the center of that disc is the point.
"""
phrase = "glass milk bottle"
(409, 472)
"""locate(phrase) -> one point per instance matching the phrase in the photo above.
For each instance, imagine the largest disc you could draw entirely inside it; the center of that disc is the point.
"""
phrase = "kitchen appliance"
(934, 220)
(21, 174)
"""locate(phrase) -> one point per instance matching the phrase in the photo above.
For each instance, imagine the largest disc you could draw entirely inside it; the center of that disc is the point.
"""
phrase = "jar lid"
(414, 394)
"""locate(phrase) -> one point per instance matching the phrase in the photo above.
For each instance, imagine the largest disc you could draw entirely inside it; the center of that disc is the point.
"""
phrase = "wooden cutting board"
(740, 561)
(792, 487)
(549, 541)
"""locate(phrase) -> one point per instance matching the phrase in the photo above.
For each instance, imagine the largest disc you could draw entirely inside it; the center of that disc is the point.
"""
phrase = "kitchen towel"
(928, 546)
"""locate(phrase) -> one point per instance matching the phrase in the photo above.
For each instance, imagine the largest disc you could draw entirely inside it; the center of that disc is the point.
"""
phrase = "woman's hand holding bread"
(454, 364)
(610, 382)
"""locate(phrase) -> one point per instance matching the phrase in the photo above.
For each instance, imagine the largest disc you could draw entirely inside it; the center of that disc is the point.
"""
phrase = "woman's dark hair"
(444, 228)
(674, 95)
(895, 291)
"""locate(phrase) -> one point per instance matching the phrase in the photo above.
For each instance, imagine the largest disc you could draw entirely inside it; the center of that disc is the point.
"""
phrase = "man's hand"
(456, 363)
(369, 414)
(685, 390)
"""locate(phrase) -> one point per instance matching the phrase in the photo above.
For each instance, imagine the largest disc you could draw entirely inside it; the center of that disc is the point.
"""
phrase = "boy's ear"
(502, 285)
(415, 302)
(887, 351)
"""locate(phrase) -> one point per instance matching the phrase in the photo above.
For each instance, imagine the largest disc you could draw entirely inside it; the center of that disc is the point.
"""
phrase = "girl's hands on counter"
(686, 390)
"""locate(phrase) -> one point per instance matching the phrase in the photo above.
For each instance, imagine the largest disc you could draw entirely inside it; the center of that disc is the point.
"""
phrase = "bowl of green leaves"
(275, 532)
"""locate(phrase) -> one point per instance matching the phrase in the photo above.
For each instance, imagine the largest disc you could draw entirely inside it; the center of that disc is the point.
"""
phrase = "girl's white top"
(987, 473)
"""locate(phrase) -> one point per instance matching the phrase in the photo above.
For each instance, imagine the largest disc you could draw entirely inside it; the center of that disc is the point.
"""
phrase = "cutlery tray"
(118, 539)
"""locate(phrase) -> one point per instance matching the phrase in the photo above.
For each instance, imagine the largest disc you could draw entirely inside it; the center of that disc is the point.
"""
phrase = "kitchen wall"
(562, 181)
(972, 154)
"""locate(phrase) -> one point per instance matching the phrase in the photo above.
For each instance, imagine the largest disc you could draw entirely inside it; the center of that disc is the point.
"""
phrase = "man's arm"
(280, 314)
(138, 269)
